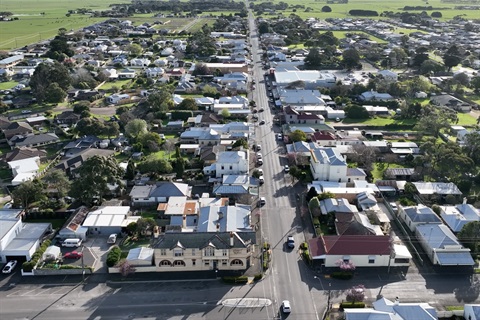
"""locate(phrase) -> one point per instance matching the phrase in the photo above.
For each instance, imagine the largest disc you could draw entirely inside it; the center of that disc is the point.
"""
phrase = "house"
(327, 164)
(73, 228)
(417, 215)
(293, 116)
(233, 77)
(403, 174)
(356, 223)
(18, 240)
(203, 251)
(201, 136)
(209, 154)
(25, 153)
(231, 162)
(376, 110)
(300, 97)
(471, 311)
(35, 140)
(152, 195)
(232, 186)
(182, 212)
(437, 190)
(442, 247)
(388, 75)
(118, 97)
(362, 251)
(154, 72)
(140, 62)
(333, 205)
(111, 74)
(449, 101)
(456, 217)
(313, 79)
(225, 219)
(24, 170)
(109, 219)
(384, 309)
(375, 96)
(126, 74)
(67, 117)
(74, 162)
(37, 121)
(17, 129)
(11, 61)
(85, 142)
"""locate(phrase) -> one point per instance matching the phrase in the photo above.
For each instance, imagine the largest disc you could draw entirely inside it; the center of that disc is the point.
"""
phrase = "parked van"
(72, 243)
(112, 238)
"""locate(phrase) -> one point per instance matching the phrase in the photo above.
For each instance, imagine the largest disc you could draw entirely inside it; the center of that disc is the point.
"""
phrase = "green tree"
(326, 9)
(54, 94)
(81, 106)
(179, 167)
(209, 91)
(314, 207)
(145, 225)
(452, 57)
(134, 49)
(150, 140)
(27, 193)
(94, 176)
(240, 143)
(130, 172)
(57, 179)
(201, 69)
(153, 165)
(263, 27)
(111, 129)
(475, 83)
(355, 111)
(225, 113)
(89, 126)
(298, 135)
(325, 195)
(470, 236)
(312, 192)
(313, 59)
(136, 128)
(433, 120)
(472, 146)
(46, 74)
(351, 58)
(160, 100)
(188, 104)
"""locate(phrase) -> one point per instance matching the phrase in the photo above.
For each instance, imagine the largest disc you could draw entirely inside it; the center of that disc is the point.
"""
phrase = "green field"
(32, 27)
(341, 10)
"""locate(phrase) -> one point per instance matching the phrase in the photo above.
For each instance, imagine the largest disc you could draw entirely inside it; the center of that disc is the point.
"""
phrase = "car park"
(286, 308)
(73, 255)
(9, 266)
(290, 242)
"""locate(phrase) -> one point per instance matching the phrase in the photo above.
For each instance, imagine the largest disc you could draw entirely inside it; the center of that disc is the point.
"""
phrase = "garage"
(20, 259)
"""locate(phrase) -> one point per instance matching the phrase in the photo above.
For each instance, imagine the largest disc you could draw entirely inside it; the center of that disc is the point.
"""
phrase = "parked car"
(286, 168)
(261, 180)
(279, 136)
(73, 255)
(261, 110)
(259, 162)
(113, 238)
(26, 111)
(262, 122)
(290, 242)
(286, 306)
(9, 266)
(263, 201)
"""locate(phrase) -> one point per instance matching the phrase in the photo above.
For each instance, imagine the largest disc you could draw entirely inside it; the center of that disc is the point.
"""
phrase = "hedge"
(342, 275)
(351, 305)
(306, 256)
(114, 256)
(235, 280)
(29, 265)
(304, 246)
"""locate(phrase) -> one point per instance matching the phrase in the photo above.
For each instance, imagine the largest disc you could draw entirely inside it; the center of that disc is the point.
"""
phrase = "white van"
(72, 243)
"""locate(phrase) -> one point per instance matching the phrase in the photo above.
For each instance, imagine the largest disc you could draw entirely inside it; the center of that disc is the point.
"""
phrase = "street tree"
(356, 294)
(298, 135)
(57, 179)
(470, 236)
(351, 58)
(94, 176)
(27, 193)
(136, 128)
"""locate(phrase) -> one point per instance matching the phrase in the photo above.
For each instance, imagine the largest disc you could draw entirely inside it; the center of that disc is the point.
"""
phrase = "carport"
(20, 259)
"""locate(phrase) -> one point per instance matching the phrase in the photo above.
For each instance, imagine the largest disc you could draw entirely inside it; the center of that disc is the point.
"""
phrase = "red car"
(73, 255)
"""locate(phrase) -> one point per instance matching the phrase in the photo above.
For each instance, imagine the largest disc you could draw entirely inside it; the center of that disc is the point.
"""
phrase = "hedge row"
(114, 256)
(28, 266)
(343, 275)
(351, 305)
(236, 280)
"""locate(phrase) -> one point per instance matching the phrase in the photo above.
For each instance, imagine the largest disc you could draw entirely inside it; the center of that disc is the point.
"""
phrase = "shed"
(140, 256)
(52, 253)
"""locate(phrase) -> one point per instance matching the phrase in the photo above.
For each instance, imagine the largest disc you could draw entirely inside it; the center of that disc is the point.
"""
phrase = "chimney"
(464, 200)
(184, 221)
(397, 301)
(231, 239)
(220, 215)
(218, 227)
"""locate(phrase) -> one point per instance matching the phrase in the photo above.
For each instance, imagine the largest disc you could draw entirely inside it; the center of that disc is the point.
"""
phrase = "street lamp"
(83, 265)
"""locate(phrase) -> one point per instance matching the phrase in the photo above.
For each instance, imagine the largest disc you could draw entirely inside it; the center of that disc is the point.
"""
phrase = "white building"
(232, 163)
(109, 219)
(313, 79)
(328, 164)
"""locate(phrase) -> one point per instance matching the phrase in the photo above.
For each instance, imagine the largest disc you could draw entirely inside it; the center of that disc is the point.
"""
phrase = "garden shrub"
(235, 280)
(342, 275)
(352, 305)
(114, 256)
(29, 265)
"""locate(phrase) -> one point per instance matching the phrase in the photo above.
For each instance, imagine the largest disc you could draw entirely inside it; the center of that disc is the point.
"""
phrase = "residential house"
(24, 153)
(384, 309)
(209, 154)
(74, 147)
(442, 247)
(327, 164)
(376, 110)
(33, 140)
(140, 257)
(356, 223)
(4, 123)
(388, 75)
(17, 129)
(234, 100)
(313, 79)
(437, 191)
(67, 117)
(126, 74)
(201, 136)
(449, 101)
(362, 251)
(75, 161)
(11, 61)
(152, 195)
(417, 215)
(140, 62)
(403, 174)
(230, 163)
(24, 170)
(456, 217)
(300, 97)
(109, 219)
(117, 98)
(233, 77)
(154, 72)
(333, 205)
(111, 74)
(182, 212)
(233, 185)
(375, 96)
(203, 251)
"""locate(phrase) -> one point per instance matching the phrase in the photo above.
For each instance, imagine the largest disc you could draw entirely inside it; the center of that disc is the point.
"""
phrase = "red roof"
(318, 136)
(349, 245)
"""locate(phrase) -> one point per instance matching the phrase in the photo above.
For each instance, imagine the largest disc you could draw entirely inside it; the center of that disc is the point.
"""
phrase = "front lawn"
(465, 119)
(381, 121)
(130, 243)
(380, 167)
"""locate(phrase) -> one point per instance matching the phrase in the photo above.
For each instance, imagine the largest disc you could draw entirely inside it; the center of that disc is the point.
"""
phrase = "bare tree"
(356, 293)
(125, 267)
(364, 156)
(169, 146)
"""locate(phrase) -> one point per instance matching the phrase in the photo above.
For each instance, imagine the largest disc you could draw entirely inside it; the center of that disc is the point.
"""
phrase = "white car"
(286, 306)
(263, 201)
(286, 168)
(279, 136)
(261, 180)
(9, 266)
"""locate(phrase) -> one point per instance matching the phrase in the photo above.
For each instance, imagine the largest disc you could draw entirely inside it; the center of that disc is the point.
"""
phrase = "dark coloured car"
(290, 242)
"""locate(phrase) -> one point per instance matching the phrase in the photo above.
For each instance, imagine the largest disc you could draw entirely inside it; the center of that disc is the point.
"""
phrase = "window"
(346, 259)
(371, 259)
(209, 252)
(194, 262)
(231, 167)
(206, 263)
(236, 262)
(178, 252)
(223, 168)
(193, 252)
(401, 260)
(163, 252)
(224, 262)
(165, 263)
(179, 263)
(225, 252)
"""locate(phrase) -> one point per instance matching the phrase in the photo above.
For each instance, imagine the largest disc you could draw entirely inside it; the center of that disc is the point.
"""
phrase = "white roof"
(25, 165)
(141, 253)
(437, 188)
(108, 216)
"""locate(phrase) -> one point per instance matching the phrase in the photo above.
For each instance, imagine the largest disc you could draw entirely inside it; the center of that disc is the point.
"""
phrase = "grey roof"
(6, 225)
(235, 179)
(33, 230)
(328, 156)
(455, 258)
(35, 139)
(200, 240)
(399, 172)
(406, 311)
(141, 191)
(356, 172)
(336, 205)
(224, 219)
(437, 235)
(422, 214)
(442, 188)
(233, 189)
(170, 189)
